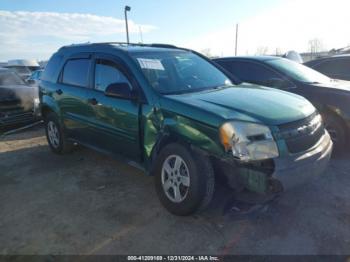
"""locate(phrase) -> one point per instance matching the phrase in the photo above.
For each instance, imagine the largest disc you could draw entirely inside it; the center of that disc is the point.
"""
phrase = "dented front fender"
(160, 126)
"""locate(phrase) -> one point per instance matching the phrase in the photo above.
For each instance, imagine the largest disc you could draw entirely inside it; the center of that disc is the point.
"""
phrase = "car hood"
(17, 95)
(248, 102)
(335, 85)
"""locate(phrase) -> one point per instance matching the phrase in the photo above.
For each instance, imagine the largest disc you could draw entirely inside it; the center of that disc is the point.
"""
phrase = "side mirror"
(120, 90)
(30, 82)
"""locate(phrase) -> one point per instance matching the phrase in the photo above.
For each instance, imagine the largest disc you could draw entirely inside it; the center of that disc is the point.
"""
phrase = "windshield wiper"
(222, 87)
(193, 90)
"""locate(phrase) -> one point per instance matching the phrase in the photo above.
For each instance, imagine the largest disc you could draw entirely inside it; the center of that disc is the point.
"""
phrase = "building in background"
(313, 55)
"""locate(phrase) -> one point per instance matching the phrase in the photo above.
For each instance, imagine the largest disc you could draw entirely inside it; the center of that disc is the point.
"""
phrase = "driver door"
(116, 120)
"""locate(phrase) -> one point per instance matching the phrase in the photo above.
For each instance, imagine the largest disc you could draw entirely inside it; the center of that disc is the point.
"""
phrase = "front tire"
(55, 135)
(336, 130)
(184, 180)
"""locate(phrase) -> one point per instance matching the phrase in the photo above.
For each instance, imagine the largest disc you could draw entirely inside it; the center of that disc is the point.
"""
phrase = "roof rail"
(142, 44)
(163, 45)
(126, 44)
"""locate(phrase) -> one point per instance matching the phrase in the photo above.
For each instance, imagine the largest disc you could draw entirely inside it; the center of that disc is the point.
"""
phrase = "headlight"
(248, 141)
(36, 102)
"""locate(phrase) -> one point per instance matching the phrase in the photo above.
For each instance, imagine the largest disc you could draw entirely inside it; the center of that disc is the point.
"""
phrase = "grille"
(10, 105)
(14, 117)
(303, 134)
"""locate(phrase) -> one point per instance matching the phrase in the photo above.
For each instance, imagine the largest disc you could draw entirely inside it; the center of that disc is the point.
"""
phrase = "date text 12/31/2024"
(173, 258)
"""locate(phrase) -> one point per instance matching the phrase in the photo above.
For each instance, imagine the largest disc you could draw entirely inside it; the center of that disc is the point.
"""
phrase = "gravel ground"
(89, 203)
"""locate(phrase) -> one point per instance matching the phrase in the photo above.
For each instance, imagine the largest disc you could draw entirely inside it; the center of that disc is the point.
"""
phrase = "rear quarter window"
(51, 70)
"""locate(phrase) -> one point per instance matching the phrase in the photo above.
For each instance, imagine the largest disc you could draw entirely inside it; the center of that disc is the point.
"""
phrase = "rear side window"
(52, 68)
(324, 67)
(334, 66)
(76, 72)
(106, 73)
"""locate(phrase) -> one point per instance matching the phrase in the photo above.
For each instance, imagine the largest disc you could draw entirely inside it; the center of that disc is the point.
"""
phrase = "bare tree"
(262, 50)
(315, 46)
(206, 52)
(278, 51)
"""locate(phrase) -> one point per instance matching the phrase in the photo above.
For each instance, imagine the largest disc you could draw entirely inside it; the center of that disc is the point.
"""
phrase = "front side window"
(76, 72)
(176, 72)
(251, 72)
(106, 73)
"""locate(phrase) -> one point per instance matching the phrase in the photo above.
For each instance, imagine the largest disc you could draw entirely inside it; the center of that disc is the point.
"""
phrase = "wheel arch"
(48, 105)
(190, 136)
(338, 113)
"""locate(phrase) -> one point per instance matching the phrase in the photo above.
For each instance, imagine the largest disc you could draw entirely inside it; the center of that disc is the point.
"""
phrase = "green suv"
(181, 118)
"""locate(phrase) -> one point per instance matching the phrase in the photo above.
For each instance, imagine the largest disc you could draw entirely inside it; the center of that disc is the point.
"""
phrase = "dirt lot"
(88, 203)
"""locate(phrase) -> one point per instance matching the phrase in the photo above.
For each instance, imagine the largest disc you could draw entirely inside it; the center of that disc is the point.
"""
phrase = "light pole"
(141, 34)
(126, 9)
(236, 42)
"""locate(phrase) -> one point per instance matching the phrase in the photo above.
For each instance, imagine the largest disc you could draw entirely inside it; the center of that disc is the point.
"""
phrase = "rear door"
(115, 120)
(72, 96)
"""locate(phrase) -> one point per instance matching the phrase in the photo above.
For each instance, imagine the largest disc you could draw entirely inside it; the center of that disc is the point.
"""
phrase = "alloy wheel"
(175, 178)
(332, 132)
(53, 134)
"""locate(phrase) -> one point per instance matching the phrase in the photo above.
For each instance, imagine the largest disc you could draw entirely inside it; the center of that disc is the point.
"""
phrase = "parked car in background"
(19, 102)
(173, 113)
(330, 97)
(294, 56)
(35, 77)
(23, 67)
(337, 67)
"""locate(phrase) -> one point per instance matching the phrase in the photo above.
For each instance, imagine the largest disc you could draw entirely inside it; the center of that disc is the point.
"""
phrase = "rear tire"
(337, 131)
(55, 135)
(184, 180)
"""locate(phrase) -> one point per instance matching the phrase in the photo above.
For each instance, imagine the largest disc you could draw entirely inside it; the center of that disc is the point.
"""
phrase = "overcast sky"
(37, 28)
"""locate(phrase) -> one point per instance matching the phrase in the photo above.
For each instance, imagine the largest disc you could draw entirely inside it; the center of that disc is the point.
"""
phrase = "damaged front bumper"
(276, 175)
(18, 117)
(14, 113)
(299, 168)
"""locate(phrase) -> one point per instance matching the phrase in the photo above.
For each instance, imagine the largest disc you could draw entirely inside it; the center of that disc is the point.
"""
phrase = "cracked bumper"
(18, 118)
(299, 168)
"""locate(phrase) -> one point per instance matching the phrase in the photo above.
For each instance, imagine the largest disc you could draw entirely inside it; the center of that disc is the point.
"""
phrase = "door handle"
(93, 101)
(59, 92)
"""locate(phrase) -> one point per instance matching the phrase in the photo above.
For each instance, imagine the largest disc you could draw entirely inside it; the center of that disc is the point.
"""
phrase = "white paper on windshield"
(154, 64)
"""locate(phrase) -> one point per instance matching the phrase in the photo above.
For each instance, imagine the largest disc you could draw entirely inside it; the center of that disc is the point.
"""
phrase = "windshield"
(20, 69)
(10, 78)
(297, 71)
(179, 72)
